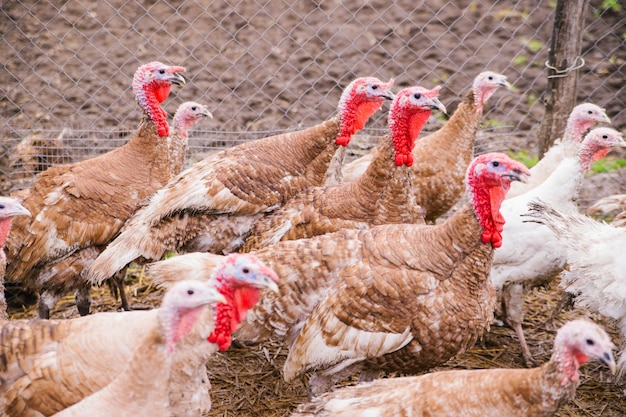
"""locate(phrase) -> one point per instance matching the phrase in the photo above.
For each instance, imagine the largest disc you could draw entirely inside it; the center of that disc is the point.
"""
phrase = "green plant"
(524, 157)
(520, 60)
(533, 45)
(607, 5)
(494, 123)
(608, 164)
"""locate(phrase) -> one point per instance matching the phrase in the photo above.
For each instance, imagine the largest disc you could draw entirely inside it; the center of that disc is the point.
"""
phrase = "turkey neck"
(549, 386)
(385, 188)
(453, 148)
(455, 138)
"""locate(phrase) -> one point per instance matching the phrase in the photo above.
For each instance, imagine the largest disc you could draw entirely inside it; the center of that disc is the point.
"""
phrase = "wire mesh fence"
(266, 66)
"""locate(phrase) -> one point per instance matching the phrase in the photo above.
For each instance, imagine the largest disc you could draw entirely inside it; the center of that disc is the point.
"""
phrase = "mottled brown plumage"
(537, 392)
(51, 364)
(381, 195)
(421, 296)
(441, 158)
(85, 204)
(612, 207)
(392, 261)
(143, 387)
(212, 205)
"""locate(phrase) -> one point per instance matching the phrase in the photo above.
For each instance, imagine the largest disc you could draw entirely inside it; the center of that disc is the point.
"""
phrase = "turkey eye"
(590, 112)
(374, 87)
(590, 342)
(490, 77)
(605, 137)
(190, 292)
(193, 108)
(1, 206)
(496, 164)
(161, 71)
(246, 271)
(417, 96)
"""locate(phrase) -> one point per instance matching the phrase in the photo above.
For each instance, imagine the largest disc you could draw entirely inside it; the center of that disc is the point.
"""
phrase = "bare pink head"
(188, 114)
(489, 178)
(485, 84)
(182, 305)
(583, 117)
(359, 101)
(597, 144)
(577, 342)
(151, 85)
(409, 112)
(240, 278)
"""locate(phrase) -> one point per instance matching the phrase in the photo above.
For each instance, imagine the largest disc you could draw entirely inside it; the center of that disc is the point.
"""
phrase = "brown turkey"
(212, 205)
(441, 158)
(381, 195)
(413, 296)
(84, 204)
(51, 364)
(65, 274)
(9, 208)
(142, 388)
(375, 274)
(537, 392)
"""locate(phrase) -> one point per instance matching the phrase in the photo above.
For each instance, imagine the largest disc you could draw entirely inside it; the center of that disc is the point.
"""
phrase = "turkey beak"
(607, 359)
(177, 79)
(517, 175)
(211, 295)
(438, 105)
(272, 286)
(18, 210)
(206, 113)
(268, 279)
(504, 83)
(605, 119)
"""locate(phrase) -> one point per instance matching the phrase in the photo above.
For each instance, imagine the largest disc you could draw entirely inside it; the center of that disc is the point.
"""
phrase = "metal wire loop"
(564, 72)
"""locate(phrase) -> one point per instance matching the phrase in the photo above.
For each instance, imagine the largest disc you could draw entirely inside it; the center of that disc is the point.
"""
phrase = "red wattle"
(164, 130)
(162, 92)
(600, 154)
(581, 357)
(342, 140)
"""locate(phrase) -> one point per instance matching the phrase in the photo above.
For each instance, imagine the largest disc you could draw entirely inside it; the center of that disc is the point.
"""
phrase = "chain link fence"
(266, 66)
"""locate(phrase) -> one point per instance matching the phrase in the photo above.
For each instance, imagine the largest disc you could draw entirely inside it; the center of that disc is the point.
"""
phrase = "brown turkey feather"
(143, 388)
(49, 365)
(212, 205)
(85, 204)
(441, 158)
(381, 195)
(536, 392)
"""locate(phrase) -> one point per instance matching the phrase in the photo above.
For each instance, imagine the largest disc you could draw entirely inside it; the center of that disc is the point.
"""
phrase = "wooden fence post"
(564, 58)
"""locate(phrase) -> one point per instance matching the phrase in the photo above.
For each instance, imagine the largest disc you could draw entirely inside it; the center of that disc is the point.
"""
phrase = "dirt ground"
(247, 381)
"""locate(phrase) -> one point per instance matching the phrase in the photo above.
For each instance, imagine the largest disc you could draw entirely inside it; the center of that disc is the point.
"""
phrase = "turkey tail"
(136, 240)
(194, 266)
(567, 227)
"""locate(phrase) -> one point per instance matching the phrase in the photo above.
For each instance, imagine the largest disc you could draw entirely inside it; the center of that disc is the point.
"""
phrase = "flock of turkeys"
(354, 270)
